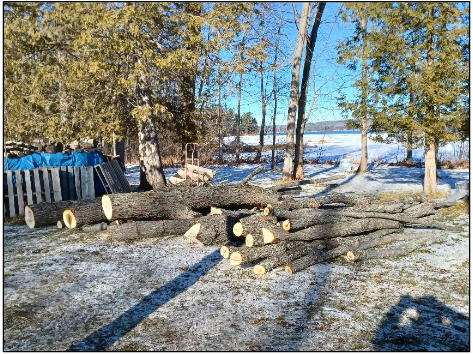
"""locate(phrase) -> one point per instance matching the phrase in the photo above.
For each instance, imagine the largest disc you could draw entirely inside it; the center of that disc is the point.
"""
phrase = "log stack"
(252, 224)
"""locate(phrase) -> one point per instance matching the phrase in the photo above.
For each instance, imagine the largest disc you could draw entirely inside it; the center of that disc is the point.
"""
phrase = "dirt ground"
(82, 291)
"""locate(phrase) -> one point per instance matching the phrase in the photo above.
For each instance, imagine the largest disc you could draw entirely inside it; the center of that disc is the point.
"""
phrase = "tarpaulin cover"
(43, 159)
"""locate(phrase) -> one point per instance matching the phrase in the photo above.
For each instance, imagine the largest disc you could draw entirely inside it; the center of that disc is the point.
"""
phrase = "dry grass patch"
(453, 212)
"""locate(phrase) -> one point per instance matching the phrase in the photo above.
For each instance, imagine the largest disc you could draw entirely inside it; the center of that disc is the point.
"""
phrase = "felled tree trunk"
(150, 229)
(215, 229)
(246, 255)
(83, 214)
(147, 205)
(175, 203)
(394, 250)
(318, 232)
(49, 213)
(309, 218)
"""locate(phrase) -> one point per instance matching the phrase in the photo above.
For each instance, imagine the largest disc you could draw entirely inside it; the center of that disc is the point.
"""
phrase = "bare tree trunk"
(430, 169)
(298, 172)
(263, 117)
(364, 89)
(220, 138)
(237, 151)
(409, 135)
(291, 114)
(150, 155)
(275, 96)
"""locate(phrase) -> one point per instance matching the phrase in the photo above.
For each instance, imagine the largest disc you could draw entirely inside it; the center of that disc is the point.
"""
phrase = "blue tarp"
(42, 159)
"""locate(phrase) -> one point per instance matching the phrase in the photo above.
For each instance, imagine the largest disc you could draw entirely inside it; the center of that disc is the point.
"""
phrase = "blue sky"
(328, 79)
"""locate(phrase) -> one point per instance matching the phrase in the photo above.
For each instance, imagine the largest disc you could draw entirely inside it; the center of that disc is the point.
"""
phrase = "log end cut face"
(29, 217)
(225, 252)
(259, 270)
(69, 219)
(249, 240)
(236, 259)
(238, 229)
(288, 269)
(286, 225)
(268, 236)
(350, 256)
(107, 207)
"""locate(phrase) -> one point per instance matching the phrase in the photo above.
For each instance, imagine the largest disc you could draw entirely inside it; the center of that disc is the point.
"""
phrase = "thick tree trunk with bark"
(176, 203)
(298, 172)
(254, 240)
(84, 214)
(150, 229)
(430, 170)
(291, 114)
(49, 213)
(310, 218)
(214, 229)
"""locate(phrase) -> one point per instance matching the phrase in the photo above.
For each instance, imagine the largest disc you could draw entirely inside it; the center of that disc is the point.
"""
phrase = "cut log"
(314, 203)
(152, 229)
(83, 214)
(196, 173)
(318, 232)
(175, 203)
(240, 213)
(341, 246)
(96, 227)
(176, 180)
(394, 250)
(303, 218)
(49, 213)
(247, 255)
(214, 229)
(420, 210)
(254, 240)
(193, 176)
(252, 224)
(275, 261)
(226, 250)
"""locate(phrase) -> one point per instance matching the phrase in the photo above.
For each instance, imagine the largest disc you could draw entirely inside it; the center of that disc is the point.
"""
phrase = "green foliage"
(418, 69)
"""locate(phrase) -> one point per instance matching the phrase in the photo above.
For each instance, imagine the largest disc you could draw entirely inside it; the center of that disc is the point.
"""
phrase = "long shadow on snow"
(292, 337)
(104, 337)
(422, 324)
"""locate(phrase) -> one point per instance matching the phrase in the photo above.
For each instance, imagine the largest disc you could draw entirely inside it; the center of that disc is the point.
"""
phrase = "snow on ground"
(333, 146)
(67, 289)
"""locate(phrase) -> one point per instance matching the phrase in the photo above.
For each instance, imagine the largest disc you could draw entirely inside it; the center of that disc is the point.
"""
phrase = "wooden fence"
(46, 184)
(54, 184)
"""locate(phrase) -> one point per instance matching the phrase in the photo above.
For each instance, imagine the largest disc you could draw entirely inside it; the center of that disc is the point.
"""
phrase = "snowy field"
(333, 146)
(75, 290)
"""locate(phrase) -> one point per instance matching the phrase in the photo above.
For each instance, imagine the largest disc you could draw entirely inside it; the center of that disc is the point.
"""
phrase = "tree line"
(163, 72)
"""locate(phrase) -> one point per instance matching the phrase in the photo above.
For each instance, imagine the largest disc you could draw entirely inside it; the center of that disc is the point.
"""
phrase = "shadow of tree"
(422, 324)
(104, 337)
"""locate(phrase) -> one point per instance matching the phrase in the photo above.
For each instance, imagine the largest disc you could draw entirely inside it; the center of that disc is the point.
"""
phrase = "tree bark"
(49, 213)
(275, 98)
(150, 154)
(150, 229)
(298, 172)
(219, 114)
(291, 114)
(317, 232)
(364, 96)
(430, 170)
(176, 203)
(214, 229)
(84, 214)
(247, 255)
(252, 224)
(263, 116)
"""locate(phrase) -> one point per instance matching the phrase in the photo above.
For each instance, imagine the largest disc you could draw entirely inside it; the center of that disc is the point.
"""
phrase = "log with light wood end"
(178, 203)
(49, 213)
(255, 240)
(212, 229)
(252, 224)
(81, 215)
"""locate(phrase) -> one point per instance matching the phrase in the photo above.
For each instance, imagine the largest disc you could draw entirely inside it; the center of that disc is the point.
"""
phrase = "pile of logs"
(253, 225)
(192, 173)
(15, 149)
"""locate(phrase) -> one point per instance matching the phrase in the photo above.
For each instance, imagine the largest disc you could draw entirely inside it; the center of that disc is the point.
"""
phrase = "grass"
(453, 212)
(395, 196)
